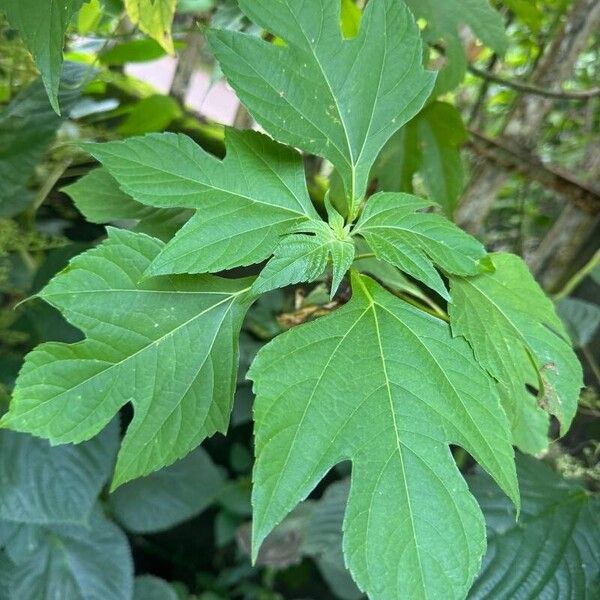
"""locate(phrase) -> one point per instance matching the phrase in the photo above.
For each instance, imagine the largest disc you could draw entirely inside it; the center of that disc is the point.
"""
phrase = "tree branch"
(526, 88)
(511, 157)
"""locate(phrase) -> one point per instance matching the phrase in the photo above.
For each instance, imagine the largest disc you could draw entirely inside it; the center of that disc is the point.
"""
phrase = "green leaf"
(399, 160)
(552, 551)
(132, 51)
(441, 132)
(75, 563)
(98, 197)
(42, 26)
(46, 485)
(168, 497)
(6, 573)
(340, 99)
(28, 125)
(168, 345)
(148, 587)
(323, 539)
(350, 18)
(301, 257)
(444, 20)
(517, 336)
(155, 18)
(153, 113)
(414, 241)
(244, 203)
(429, 144)
(581, 319)
(384, 385)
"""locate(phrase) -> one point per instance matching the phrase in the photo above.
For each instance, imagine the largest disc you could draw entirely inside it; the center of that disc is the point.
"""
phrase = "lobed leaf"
(168, 345)
(516, 335)
(337, 98)
(415, 241)
(244, 203)
(384, 385)
(301, 257)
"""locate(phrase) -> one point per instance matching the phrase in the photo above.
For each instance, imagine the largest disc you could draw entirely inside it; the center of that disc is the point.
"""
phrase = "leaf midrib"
(231, 298)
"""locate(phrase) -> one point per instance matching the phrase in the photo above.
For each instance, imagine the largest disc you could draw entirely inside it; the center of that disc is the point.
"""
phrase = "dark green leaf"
(168, 497)
(552, 551)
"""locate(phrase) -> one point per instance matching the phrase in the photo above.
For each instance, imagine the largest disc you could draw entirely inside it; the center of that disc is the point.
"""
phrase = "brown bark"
(525, 121)
(572, 240)
(186, 65)
(513, 158)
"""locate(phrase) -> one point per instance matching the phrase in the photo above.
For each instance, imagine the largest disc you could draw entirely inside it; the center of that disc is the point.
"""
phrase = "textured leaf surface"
(42, 26)
(71, 562)
(415, 241)
(244, 203)
(46, 485)
(168, 497)
(385, 385)
(168, 345)
(340, 99)
(552, 552)
(302, 257)
(517, 336)
(154, 17)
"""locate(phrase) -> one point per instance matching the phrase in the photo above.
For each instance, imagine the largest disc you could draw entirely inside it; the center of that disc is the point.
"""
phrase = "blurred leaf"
(528, 12)
(71, 562)
(7, 569)
(350, 18)
(42, 26)
(444, 19)
(441, 132)
(42, 484)
(28, 126)
(582, 319)
(133, 51)
(99, 198)
(552, 551)
(90, 16)
(154, 17)
(169, 496)
(148, 587)
(150, 114)
(429, 144)
(194, 6)
(323, 540)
